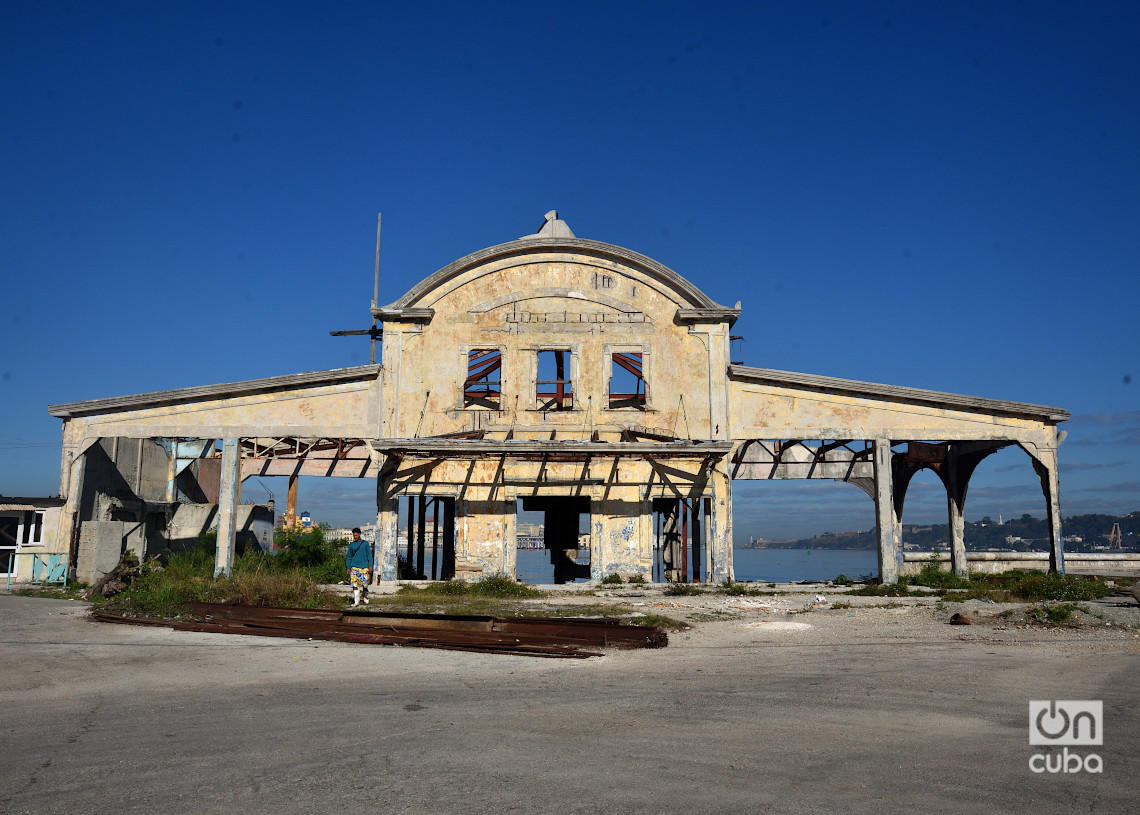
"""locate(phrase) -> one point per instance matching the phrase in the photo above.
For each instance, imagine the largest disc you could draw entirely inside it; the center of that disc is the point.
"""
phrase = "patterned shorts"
(359, 578)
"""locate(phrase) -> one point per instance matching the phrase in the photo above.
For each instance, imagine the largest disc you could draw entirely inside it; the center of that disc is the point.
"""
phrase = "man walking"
(358, 563)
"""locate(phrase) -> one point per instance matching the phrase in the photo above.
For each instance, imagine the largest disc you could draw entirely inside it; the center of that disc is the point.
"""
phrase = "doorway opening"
(680, 541)
(560, 529)
(425, 544)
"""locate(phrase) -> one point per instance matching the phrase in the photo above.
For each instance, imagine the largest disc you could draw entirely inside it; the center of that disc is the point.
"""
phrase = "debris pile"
(123, 576)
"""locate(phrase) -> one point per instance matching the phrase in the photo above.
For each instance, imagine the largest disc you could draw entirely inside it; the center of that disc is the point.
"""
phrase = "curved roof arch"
(420, 295)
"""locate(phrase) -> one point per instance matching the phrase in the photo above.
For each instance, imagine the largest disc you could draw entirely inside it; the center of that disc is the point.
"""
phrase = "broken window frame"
(563, 395)
(475, 378)
(638, 401)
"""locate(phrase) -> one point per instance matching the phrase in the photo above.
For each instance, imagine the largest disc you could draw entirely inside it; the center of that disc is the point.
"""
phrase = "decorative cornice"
(720, 314)
(391, 314)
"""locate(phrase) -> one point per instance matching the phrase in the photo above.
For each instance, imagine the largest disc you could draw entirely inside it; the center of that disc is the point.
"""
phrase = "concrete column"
(954, 481)
(510, 536)
(387, 532)
(616, 544)
(69, 520)
(720, 527)
(229, 494)
(1045, 463)
(887, 527)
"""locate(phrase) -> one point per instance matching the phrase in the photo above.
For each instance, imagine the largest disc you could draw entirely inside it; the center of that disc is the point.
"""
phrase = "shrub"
(682, 589)
(612, 580)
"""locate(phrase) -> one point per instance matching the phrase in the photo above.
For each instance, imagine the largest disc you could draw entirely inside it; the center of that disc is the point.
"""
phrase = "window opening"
(33, 527)
(483, 387)
(9, 529)
(426, 546)
(627, 380)
(553, 388)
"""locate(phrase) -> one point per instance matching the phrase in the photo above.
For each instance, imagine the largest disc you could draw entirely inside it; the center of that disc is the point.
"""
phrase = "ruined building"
(553, 374)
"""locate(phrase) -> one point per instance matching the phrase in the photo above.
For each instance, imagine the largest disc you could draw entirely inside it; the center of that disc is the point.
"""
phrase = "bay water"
(772, 565)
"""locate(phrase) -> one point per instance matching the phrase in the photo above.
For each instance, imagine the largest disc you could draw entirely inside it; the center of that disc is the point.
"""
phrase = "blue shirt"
(359, 555)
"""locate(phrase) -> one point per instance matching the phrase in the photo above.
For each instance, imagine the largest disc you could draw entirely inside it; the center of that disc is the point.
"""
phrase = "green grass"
(612, 580)
(1012, 586)
(1056, 614)
(682, 590)
(497, 586)
(743, 590)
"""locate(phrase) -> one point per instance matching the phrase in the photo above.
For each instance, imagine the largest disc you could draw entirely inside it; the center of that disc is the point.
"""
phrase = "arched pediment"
(603, 256)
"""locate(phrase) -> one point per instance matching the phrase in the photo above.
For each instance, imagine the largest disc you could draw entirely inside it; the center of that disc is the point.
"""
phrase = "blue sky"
(940, 196)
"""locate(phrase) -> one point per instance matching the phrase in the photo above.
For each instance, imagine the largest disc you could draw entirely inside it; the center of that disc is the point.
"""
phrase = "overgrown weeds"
(1060, 613)
(682, 590)
(292, 578)
(495, 586)
(1012, 586)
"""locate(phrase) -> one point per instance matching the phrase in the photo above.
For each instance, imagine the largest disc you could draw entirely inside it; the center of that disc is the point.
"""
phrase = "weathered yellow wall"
(565, 308)
(769, 412)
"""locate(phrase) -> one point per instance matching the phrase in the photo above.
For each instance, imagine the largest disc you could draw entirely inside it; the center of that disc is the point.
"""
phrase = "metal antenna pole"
(375, 294)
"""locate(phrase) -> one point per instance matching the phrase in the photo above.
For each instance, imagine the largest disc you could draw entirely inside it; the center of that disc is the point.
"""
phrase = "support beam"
(387, 533)
(448, 571)
(720, 526)
(1045, 463)
(887, 526)
(229, 496)
(421, 536)
(956, 480)
(698, 555)
(291, 505)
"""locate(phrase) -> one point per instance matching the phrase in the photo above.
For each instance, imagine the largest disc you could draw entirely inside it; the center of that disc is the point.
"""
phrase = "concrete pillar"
(69, 520)
(955, 481)
(510, 536)
(1045, 463)
(229, 495)
(887, 526)
(720, 527)
(616, 545)
(387, 532)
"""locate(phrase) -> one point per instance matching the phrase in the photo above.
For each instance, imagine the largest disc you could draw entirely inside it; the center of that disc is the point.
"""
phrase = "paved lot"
(865, 712)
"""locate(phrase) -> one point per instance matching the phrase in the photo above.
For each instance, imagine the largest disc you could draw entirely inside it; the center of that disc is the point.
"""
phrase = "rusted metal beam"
(536, 636)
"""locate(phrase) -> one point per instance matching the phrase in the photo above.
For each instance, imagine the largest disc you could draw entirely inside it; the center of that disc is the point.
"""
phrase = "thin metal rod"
(375, 294)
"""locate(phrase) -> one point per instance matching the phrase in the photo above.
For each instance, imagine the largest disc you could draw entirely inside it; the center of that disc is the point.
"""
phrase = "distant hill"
(1082, 533)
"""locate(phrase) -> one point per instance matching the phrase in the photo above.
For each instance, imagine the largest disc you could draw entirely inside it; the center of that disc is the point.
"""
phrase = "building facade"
(577, 379)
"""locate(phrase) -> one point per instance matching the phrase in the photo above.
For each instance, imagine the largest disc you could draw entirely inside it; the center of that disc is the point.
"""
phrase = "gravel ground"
(764, 704)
